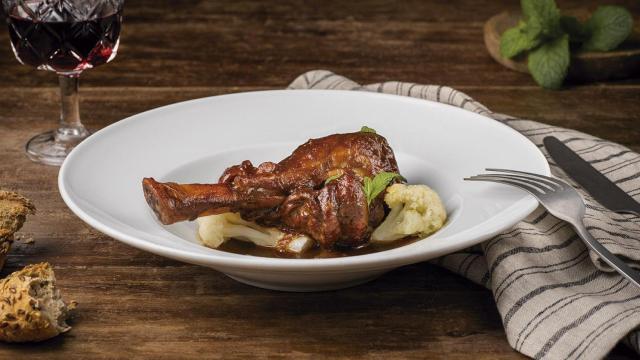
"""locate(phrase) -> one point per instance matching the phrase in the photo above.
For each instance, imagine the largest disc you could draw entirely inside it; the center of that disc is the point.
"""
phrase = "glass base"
(52, 147)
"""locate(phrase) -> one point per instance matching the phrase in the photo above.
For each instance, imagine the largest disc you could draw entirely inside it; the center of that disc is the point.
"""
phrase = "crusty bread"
(13, 213)
(5, 246)
(31, 308)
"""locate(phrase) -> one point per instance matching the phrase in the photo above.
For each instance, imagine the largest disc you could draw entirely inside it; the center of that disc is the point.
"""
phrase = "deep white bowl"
(194, 141)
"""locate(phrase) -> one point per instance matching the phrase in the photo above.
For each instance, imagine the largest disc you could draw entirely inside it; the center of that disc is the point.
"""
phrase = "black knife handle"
(590, 179)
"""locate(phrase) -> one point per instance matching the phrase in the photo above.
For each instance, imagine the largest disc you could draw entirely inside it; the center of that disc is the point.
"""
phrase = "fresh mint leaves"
(332, 177)
(373, 187)
(542, 16)
(517, 40)
(608, 27)
(367, 129)
(549, 63)
(545, 35)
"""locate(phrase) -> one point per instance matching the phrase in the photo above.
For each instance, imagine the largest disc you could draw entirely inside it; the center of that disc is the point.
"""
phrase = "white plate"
(195, 141)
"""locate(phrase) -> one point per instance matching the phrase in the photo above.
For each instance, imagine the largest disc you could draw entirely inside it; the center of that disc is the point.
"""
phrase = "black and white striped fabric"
(557, 299)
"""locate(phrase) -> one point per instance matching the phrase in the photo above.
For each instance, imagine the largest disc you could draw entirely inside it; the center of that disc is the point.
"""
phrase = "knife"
(602, 189)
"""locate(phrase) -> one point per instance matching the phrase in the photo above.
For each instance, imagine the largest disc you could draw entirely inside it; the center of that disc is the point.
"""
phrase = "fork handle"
(611, 259)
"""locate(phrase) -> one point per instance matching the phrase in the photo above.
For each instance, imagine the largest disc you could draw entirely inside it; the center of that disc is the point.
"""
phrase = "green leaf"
(549, 63)
(542, 16)
(577, 31)
(368, 188)
(373, 187)
(609, 26)
(331, 178)
(516, 40)
(367, 130)
(538, 8)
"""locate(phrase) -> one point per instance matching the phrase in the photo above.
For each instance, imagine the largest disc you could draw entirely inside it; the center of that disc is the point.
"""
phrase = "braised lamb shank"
(292, 194)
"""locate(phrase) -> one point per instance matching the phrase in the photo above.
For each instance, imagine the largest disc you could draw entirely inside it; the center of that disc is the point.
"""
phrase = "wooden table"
(134, 304)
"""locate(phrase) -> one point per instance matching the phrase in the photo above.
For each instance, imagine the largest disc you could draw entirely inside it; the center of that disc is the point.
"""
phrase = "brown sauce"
(248, 248)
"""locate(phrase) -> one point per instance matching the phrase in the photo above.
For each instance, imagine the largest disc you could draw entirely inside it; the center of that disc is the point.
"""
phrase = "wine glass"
(67, 37)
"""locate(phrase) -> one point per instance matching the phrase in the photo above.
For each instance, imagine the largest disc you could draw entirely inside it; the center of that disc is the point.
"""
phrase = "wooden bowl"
(621, 63)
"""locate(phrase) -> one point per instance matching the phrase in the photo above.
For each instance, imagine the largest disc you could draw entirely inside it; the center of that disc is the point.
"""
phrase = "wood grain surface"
(135, 305)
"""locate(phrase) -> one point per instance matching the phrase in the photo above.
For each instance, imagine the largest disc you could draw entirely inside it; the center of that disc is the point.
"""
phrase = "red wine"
(64, 46)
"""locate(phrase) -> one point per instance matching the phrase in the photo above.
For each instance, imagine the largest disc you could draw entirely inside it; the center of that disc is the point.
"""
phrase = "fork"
(563, 202)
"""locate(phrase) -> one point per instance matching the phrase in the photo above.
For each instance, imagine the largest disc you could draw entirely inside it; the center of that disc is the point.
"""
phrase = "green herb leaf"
(577, 31)
(608, 27)
(549, 63)
(516, 40)
(331, 178)
(373, 187)
(539, 8)
(542, 17)
(368, 188)
(367, 130)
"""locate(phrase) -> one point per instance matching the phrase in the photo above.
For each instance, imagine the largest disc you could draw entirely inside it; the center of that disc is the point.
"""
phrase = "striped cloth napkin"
(557, 299)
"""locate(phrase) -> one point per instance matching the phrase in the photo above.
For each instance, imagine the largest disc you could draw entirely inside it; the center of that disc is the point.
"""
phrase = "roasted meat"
(337, 213)
(292, 194)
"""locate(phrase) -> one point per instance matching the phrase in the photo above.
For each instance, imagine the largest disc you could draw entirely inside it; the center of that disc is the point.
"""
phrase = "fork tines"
(533, 183)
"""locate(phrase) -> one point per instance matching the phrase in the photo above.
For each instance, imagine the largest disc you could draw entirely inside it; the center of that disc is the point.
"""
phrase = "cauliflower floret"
(415, 210)
(214, 230)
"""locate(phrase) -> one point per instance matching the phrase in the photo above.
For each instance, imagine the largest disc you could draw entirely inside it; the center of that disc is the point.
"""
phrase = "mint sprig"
(367, 129)
(542, 16)
(373, 187)
(332, 177)
(517, 40)
(549, 63)
(608, 27)
(545, 34)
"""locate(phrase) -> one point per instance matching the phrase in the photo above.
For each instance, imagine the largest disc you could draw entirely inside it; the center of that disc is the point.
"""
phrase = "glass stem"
(71, 128)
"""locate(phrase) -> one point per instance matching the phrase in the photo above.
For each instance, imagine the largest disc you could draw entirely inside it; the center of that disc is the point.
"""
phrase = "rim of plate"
(507, 218)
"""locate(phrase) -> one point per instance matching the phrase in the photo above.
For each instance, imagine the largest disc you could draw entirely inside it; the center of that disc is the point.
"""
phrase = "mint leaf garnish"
(373, 187)
(331, 178)
(608, 27)
(367, 129)
(549, 63)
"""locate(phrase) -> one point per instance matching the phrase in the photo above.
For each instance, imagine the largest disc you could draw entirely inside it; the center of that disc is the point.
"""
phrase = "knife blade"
(599, 186)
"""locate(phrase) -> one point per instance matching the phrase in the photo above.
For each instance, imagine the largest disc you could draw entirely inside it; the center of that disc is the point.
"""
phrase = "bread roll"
(13, 213)
(31, 308)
